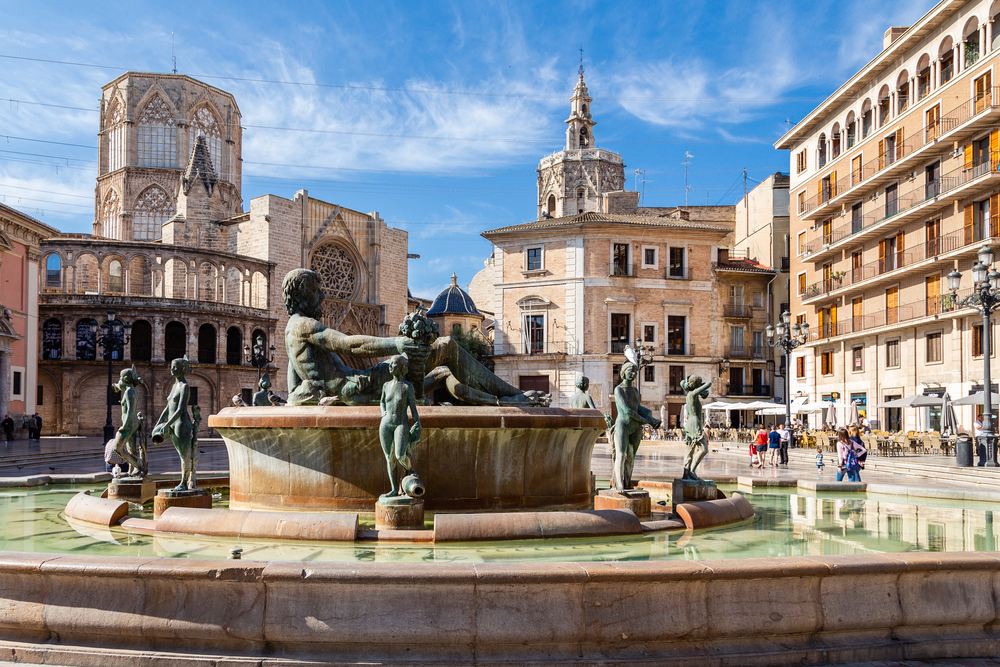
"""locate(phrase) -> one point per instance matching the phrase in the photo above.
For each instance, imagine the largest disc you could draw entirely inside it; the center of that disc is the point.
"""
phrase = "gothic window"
(152, 209)
(115, 130)
(53, 273)
(52, 339)
(116, 276)
(234, 346)
(157, 135)
(86, 341)
(174, 341)
(584, 138)
(142, 341)
(206, 344)
(111, 216)
(552, 205)
(581, 194)
(336, 269)
(205, 125)
(258, 288)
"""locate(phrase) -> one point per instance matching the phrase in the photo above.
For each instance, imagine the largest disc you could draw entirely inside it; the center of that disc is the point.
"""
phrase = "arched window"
(151, 210)
(851, 129)
(157, 135)
(866, 119)
(142, 341)
(208, 280)
(821, 150)
(583, 108)
(835, 141)
(994, 25)
(207, 341)
(902, 92)
(53, 271)
(204, 124)
(234, 346)
(970, 38)
(116, 276)
(584, 138)
(115, 133)
(946, 53)
(258, 287)
(86, 340)
(174, 341)
(923, 76)
(551, 205)
(883, 105)
(52, 339)
(111, 216)
(581, 199)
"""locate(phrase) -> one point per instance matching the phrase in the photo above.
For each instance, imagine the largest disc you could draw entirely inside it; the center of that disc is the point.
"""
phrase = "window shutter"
(968, 156)
(881, 256)
(856, 169)
(899, 243)
(994, 217)
(994, 150)
(833, 318)
(899, 144)
(833, 184)
(881, 153)
(968, 224)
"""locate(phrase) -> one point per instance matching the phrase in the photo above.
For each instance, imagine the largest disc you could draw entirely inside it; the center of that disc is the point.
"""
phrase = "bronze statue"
(694, 424)
(395, 432)
(581, 399)
(316, 371)
(175, 423)
(126, 445)
(628, 428)
(262, 397)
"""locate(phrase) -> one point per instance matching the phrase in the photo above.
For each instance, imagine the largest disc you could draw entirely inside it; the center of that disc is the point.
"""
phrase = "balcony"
(678, 273)
(746, 352)
(916, 200)
(737, 311)
(871, 273)
(619, 270)
(785, 265)
(680, 350)
(969, 116)
(748, 390)
(926, 307)
(535, 348)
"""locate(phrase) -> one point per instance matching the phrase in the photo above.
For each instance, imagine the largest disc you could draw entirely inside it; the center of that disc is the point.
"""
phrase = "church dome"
(453, 300)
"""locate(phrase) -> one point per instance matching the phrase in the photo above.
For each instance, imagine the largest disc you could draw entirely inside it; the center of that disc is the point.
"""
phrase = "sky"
(437, 114)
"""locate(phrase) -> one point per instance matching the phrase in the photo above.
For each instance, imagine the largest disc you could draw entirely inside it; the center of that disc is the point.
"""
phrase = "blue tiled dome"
(453, 300)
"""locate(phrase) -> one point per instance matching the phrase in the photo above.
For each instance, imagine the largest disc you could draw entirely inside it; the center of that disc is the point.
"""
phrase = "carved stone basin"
(329, 458)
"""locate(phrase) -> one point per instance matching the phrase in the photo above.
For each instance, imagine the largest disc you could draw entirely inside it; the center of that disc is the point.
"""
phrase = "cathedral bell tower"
(573, 180)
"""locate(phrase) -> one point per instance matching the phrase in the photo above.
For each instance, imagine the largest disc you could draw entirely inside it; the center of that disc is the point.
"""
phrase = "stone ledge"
(711, 513)
(246, 524)
(102, 511)
(534, 525)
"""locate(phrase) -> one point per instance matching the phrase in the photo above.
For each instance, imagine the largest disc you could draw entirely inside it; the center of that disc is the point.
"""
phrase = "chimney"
(892, 34)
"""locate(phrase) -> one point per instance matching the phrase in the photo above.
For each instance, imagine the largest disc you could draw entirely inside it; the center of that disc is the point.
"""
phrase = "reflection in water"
(786, 524)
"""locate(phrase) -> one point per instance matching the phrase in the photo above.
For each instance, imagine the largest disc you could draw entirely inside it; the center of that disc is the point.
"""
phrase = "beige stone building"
(575, 286)
(895, 182)
(175, 256)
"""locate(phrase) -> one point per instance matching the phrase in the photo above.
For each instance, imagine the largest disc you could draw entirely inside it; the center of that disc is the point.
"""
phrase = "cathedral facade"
(174, 254)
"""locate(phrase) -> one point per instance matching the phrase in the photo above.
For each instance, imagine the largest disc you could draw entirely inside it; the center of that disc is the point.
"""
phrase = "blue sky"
(436, 114)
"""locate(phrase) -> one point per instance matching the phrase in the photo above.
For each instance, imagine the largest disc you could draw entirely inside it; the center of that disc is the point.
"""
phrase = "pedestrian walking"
(786, 438)
(854, 433)
(819, 460)
(38, 429)
(760, 442)
(32, 428)
(773, 445)
(8, 428)
(847, 458)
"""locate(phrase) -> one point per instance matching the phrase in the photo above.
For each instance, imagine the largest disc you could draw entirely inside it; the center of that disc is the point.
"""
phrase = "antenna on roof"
(172, 56)
(687, 161)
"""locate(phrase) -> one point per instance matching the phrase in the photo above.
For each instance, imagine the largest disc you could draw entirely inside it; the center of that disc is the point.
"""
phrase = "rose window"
(336, 270)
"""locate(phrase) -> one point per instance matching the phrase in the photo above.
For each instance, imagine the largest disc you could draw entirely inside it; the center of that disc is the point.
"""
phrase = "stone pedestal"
(132, 490)
(199, 498)
(636, 500)
(399, 513)
(691, 491)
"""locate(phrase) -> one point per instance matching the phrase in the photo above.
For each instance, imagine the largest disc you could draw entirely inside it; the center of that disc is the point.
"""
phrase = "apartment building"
(894, 182)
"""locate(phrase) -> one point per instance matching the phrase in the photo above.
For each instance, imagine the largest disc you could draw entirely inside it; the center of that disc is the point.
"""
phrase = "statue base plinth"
(399, 513)
(691, 491)
(133, 490)
(636, 500)
(198, 498)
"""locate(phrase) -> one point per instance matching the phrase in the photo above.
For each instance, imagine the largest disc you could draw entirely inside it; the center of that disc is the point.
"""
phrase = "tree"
(476, 344)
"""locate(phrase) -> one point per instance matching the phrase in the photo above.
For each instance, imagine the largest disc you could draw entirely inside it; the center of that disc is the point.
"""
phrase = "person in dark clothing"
(38, 426)
(8, 428)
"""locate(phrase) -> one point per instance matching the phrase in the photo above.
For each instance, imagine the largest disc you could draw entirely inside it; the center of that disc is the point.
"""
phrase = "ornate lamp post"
(787, 338)
(259, 357)
(985, 298)
(641, 357)
(114, 337)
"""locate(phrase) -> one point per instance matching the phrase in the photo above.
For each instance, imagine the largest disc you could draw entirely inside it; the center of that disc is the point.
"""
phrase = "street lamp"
(787, 338)
(985, 298)
(258, 358)
(641, 357)
(114, 337)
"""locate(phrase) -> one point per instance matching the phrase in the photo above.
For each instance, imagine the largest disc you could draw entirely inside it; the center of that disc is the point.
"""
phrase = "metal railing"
(679, 350)
(619, 270)
(737, 310)
(746, 351)
(618, 346)
(536, 347)
(928, 306)
(748, 390)
(678, 273)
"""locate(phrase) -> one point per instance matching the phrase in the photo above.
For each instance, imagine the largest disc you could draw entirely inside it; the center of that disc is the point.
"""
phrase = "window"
(649, 373)
(972, 48)
(52, 339)
(800, 162)
(234, 346)
(903, 93)
(552, 205)
(932, 294)
(16, 390)
(802, 201)
(891, 200)
(889, 150)
(207, 341)
(821, 152)
(40, 395)
(858, 359)
(675, 377)
(616, 374)
(649, 333)
(758, 344)
(193, 396)
(857, 169)
(932, 180)
(157, 135)
(620, 332)
(866, 120)
(933, 122)
(934, 347)
(584, 138)
(851, 132)
(533, 383)
(800, 367)
(152, 209)
(86, 341)
(111, 216)
(619, 259)
(205, 125)
(534, 259)
(758, 299)
(801, 241)
(142, 341)
(535, 333)
(52, 271)
(883, 109)
(116, 276)
(736, 341)
(977, 341)
(174, 341)
(649, 257)
(676, 325)
(828, 187)
(835, 143)
(923, 83)
(892, 353)
(676, 269)
(947, 66)
(802, 284)
(983, 92)
(826, 363)
(116, 130)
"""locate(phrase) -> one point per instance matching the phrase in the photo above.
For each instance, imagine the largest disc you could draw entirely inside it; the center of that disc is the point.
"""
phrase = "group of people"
(851, 455)
(773, 440)
(32, 423)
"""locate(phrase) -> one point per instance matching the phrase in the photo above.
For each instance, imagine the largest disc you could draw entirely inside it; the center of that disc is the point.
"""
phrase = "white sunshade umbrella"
(976, 399)
(915, 401)
(719, 405)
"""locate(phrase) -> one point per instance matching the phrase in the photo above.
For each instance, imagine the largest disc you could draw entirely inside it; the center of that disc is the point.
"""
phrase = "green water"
(787, 524)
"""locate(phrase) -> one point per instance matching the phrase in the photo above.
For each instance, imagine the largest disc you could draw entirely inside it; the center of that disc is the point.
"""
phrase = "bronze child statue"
(128, 439)
(175, 424)
(262, 397)
(581, 399)
(694, 425)
(395, 432)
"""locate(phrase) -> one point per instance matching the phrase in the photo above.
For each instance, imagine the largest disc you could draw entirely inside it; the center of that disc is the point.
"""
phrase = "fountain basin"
(469, 458)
